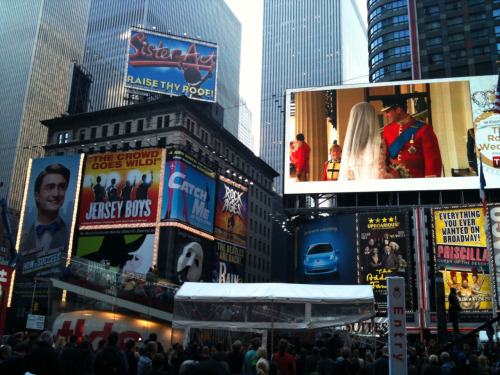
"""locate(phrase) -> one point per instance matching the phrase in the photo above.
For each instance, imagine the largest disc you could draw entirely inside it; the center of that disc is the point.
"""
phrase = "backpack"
(106, 362)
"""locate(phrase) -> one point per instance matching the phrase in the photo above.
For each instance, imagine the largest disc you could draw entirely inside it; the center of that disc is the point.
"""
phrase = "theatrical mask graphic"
(190, 263)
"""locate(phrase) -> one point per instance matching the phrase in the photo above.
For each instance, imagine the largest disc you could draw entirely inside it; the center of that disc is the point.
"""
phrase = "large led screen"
(326, 251)
(48, 213)
(121, 188)
(425, 135)
(462, 257)
(168, 64)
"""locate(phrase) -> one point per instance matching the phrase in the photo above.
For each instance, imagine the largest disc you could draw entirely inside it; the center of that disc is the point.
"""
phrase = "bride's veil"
(361, 151)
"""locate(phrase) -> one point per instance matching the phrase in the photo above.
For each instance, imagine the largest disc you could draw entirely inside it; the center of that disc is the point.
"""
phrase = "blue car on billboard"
(321, 259)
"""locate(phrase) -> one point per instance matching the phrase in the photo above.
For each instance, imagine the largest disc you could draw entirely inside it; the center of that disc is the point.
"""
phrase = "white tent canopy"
(247, 307)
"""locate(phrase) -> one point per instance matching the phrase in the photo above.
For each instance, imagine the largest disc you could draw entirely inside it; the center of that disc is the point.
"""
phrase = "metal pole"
(33, 297)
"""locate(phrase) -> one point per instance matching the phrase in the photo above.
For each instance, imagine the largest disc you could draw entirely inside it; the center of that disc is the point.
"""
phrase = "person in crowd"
(132, 356)
(381, 364)
(262, 367)
(110, 359)
(454, 309)
(342, 366)
(158, 365)
(312, 361)
(251, 357)
(14, 364)
(285, 361)
(301, 155)
(408, 142)
(325, 364)
(43, 359)
(235, 358)
(145, 365)
(220, 355)
(363, 157)
(84, 358)
(433, 368)
(177, 357)
(300, 361)
(60, 344)
(67, 357)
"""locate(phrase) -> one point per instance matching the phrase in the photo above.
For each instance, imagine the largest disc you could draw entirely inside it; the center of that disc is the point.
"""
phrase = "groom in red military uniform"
(410, 143)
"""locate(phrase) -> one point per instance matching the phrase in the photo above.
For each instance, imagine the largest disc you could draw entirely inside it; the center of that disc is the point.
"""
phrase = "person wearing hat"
(410, 143)
(454, 309)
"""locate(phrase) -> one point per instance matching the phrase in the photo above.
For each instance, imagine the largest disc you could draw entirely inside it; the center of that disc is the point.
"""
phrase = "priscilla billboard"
(172, 65)
(396, 135)
(121, 188)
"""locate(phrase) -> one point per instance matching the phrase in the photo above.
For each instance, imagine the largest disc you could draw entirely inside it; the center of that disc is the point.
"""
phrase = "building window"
(167, 121)
(388, 22)
(481, 51)
(128, 127)
(389, 54)
(496, 14)
(82, 134)
(436, 58)
(116, 129)
(162, 141)
(479, 33)
(397, 68)
(190, 126)
(476, 2)
(458, 54)
(62, 138)
(91, 150)
(389, 38)
(434, 42)
(434, 25)
(481, 16)
(452, 22)
(105, 131)
(497, 31)
(159, 122)
(138, 144)
(498, 48)
(431, 11)
(126, 146)
(204, 136)
(392, 7)
(93, 133)
(102, 149)
(453, 5)
(60, 153)
(217, 146)
(114, 147)
(140, 125)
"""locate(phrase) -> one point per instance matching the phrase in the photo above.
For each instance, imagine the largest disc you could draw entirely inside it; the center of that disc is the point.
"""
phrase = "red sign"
(5, 279)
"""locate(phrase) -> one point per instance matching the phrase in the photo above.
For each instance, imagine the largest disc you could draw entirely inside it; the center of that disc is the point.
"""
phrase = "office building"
(106, 45)
(40, 39)
(245, 125)
(305, 44)
(411, 39)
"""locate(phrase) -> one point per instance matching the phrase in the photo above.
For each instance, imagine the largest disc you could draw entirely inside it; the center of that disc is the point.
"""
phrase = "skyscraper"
(40, 38)
(305, 44)
(245, 126)
(432, 39)
(106, 45)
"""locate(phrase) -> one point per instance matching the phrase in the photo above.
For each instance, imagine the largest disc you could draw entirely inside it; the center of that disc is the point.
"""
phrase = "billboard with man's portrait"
(172, 65)
(398, 136)
(48, 214)
(121, 188)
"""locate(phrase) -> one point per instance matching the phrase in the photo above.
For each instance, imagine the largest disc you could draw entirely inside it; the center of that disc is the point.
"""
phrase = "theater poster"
(188, 192)
(494, 217)
(229, 262)
(185, 255)
(121, 188)
(326, 251)
(231, 212)
(129, 249)
(47, 223)
(384, 251)
(462, 257)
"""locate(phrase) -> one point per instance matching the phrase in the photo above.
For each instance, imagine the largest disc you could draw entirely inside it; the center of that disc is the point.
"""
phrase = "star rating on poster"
(382, 220)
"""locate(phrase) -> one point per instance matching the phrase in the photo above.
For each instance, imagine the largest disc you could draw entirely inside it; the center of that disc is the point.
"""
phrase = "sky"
(250, 15)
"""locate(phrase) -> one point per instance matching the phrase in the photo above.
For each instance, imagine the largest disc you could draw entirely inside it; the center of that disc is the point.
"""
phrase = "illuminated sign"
(437, 148)
(172, 65)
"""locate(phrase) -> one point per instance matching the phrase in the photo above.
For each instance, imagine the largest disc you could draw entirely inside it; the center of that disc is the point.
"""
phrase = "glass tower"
(306, 44)
(106, 45)
(40, 39)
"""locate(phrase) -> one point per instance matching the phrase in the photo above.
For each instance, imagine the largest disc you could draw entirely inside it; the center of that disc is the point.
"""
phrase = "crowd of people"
(45, 354)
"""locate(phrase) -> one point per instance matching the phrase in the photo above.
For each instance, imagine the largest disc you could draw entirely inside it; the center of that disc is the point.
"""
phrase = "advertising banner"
(423, 129)
(172, 65)
(189, 194)
(462, 257)
(121, 188)
(326, 251)
(129, 249)
(185, 256)
(5, 279)
(48, 213)
(494, 216)
(231, 212)
(384, 251)
(229, 261)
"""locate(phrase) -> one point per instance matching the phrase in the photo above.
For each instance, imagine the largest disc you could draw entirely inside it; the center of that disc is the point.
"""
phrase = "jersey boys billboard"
(172, 65)
(397, 135)
(121, 188)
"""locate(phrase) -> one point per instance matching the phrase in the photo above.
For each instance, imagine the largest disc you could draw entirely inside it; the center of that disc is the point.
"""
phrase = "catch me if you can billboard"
(172, 65)
(448, 124)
